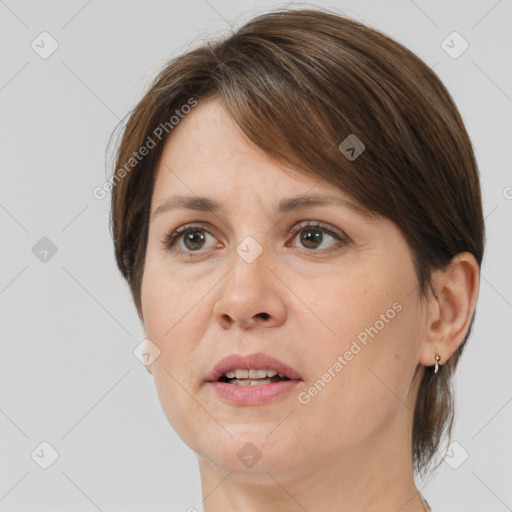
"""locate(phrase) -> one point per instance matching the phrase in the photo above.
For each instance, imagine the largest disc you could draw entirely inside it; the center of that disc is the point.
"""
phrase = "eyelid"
(320, 225)
(172, 236)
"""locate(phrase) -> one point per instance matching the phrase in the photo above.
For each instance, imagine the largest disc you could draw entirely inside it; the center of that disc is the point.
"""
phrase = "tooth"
(230, 375)
(271, 373)
(260, 381)
(280, 374)
(257, 374)
(250, 382)
(242, 374)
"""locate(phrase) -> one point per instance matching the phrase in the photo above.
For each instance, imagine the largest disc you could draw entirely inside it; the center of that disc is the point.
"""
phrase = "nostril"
(265, 316)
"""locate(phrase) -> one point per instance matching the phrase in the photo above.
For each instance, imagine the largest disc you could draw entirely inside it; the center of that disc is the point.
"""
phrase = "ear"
(451, 309)
(148, 367)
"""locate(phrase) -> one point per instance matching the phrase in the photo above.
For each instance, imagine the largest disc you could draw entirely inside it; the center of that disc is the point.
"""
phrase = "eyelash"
(171, 238)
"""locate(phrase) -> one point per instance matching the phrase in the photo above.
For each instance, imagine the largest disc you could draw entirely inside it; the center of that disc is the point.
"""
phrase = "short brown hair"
(298, 83)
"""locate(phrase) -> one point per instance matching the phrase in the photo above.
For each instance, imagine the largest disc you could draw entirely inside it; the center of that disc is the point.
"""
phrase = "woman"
(297, 212)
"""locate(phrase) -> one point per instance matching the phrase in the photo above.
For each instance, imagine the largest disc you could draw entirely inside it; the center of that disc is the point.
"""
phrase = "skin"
(350, 445)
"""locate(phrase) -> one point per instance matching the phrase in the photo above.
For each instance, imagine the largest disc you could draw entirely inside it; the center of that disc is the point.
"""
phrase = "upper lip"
(251, 361)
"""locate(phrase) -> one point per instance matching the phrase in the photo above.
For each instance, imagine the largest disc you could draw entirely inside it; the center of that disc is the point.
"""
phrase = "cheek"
(167, 299)
(173, 319)
(347, 307)
(177, 306)
(370, 346)
(175, 327)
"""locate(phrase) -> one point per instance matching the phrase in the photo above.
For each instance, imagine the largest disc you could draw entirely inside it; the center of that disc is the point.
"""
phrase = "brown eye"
(187, 239)
(311, 238)
(194, 240)
(312, 235)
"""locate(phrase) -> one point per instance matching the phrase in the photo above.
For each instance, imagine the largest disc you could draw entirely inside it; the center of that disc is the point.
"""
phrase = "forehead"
(207, 146)
(208, 162)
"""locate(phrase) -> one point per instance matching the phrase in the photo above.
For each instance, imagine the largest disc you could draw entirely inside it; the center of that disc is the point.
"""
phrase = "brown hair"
(298, 83)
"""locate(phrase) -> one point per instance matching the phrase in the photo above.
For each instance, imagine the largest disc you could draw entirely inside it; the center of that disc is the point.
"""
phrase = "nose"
(252, 295)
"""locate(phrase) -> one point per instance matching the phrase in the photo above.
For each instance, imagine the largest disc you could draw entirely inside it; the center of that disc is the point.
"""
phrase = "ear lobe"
(451, 309)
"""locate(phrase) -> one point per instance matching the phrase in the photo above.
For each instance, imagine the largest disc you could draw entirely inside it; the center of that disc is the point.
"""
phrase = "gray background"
(68, 327)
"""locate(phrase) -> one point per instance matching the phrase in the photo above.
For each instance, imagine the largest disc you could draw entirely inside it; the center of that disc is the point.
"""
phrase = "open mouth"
(252, 377)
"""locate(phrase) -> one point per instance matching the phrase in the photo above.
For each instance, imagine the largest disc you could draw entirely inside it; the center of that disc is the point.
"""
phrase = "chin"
(251, 453)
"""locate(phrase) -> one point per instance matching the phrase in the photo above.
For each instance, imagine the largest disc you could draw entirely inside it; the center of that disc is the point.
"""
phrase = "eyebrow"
(206, 204)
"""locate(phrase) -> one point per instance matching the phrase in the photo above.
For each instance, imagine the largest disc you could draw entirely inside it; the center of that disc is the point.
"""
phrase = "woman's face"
(338, 304)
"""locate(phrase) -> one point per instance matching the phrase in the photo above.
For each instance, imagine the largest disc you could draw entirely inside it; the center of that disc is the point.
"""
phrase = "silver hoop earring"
(438, 358)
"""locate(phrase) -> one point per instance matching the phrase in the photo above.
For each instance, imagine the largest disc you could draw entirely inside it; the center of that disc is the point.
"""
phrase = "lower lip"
(253, 395)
